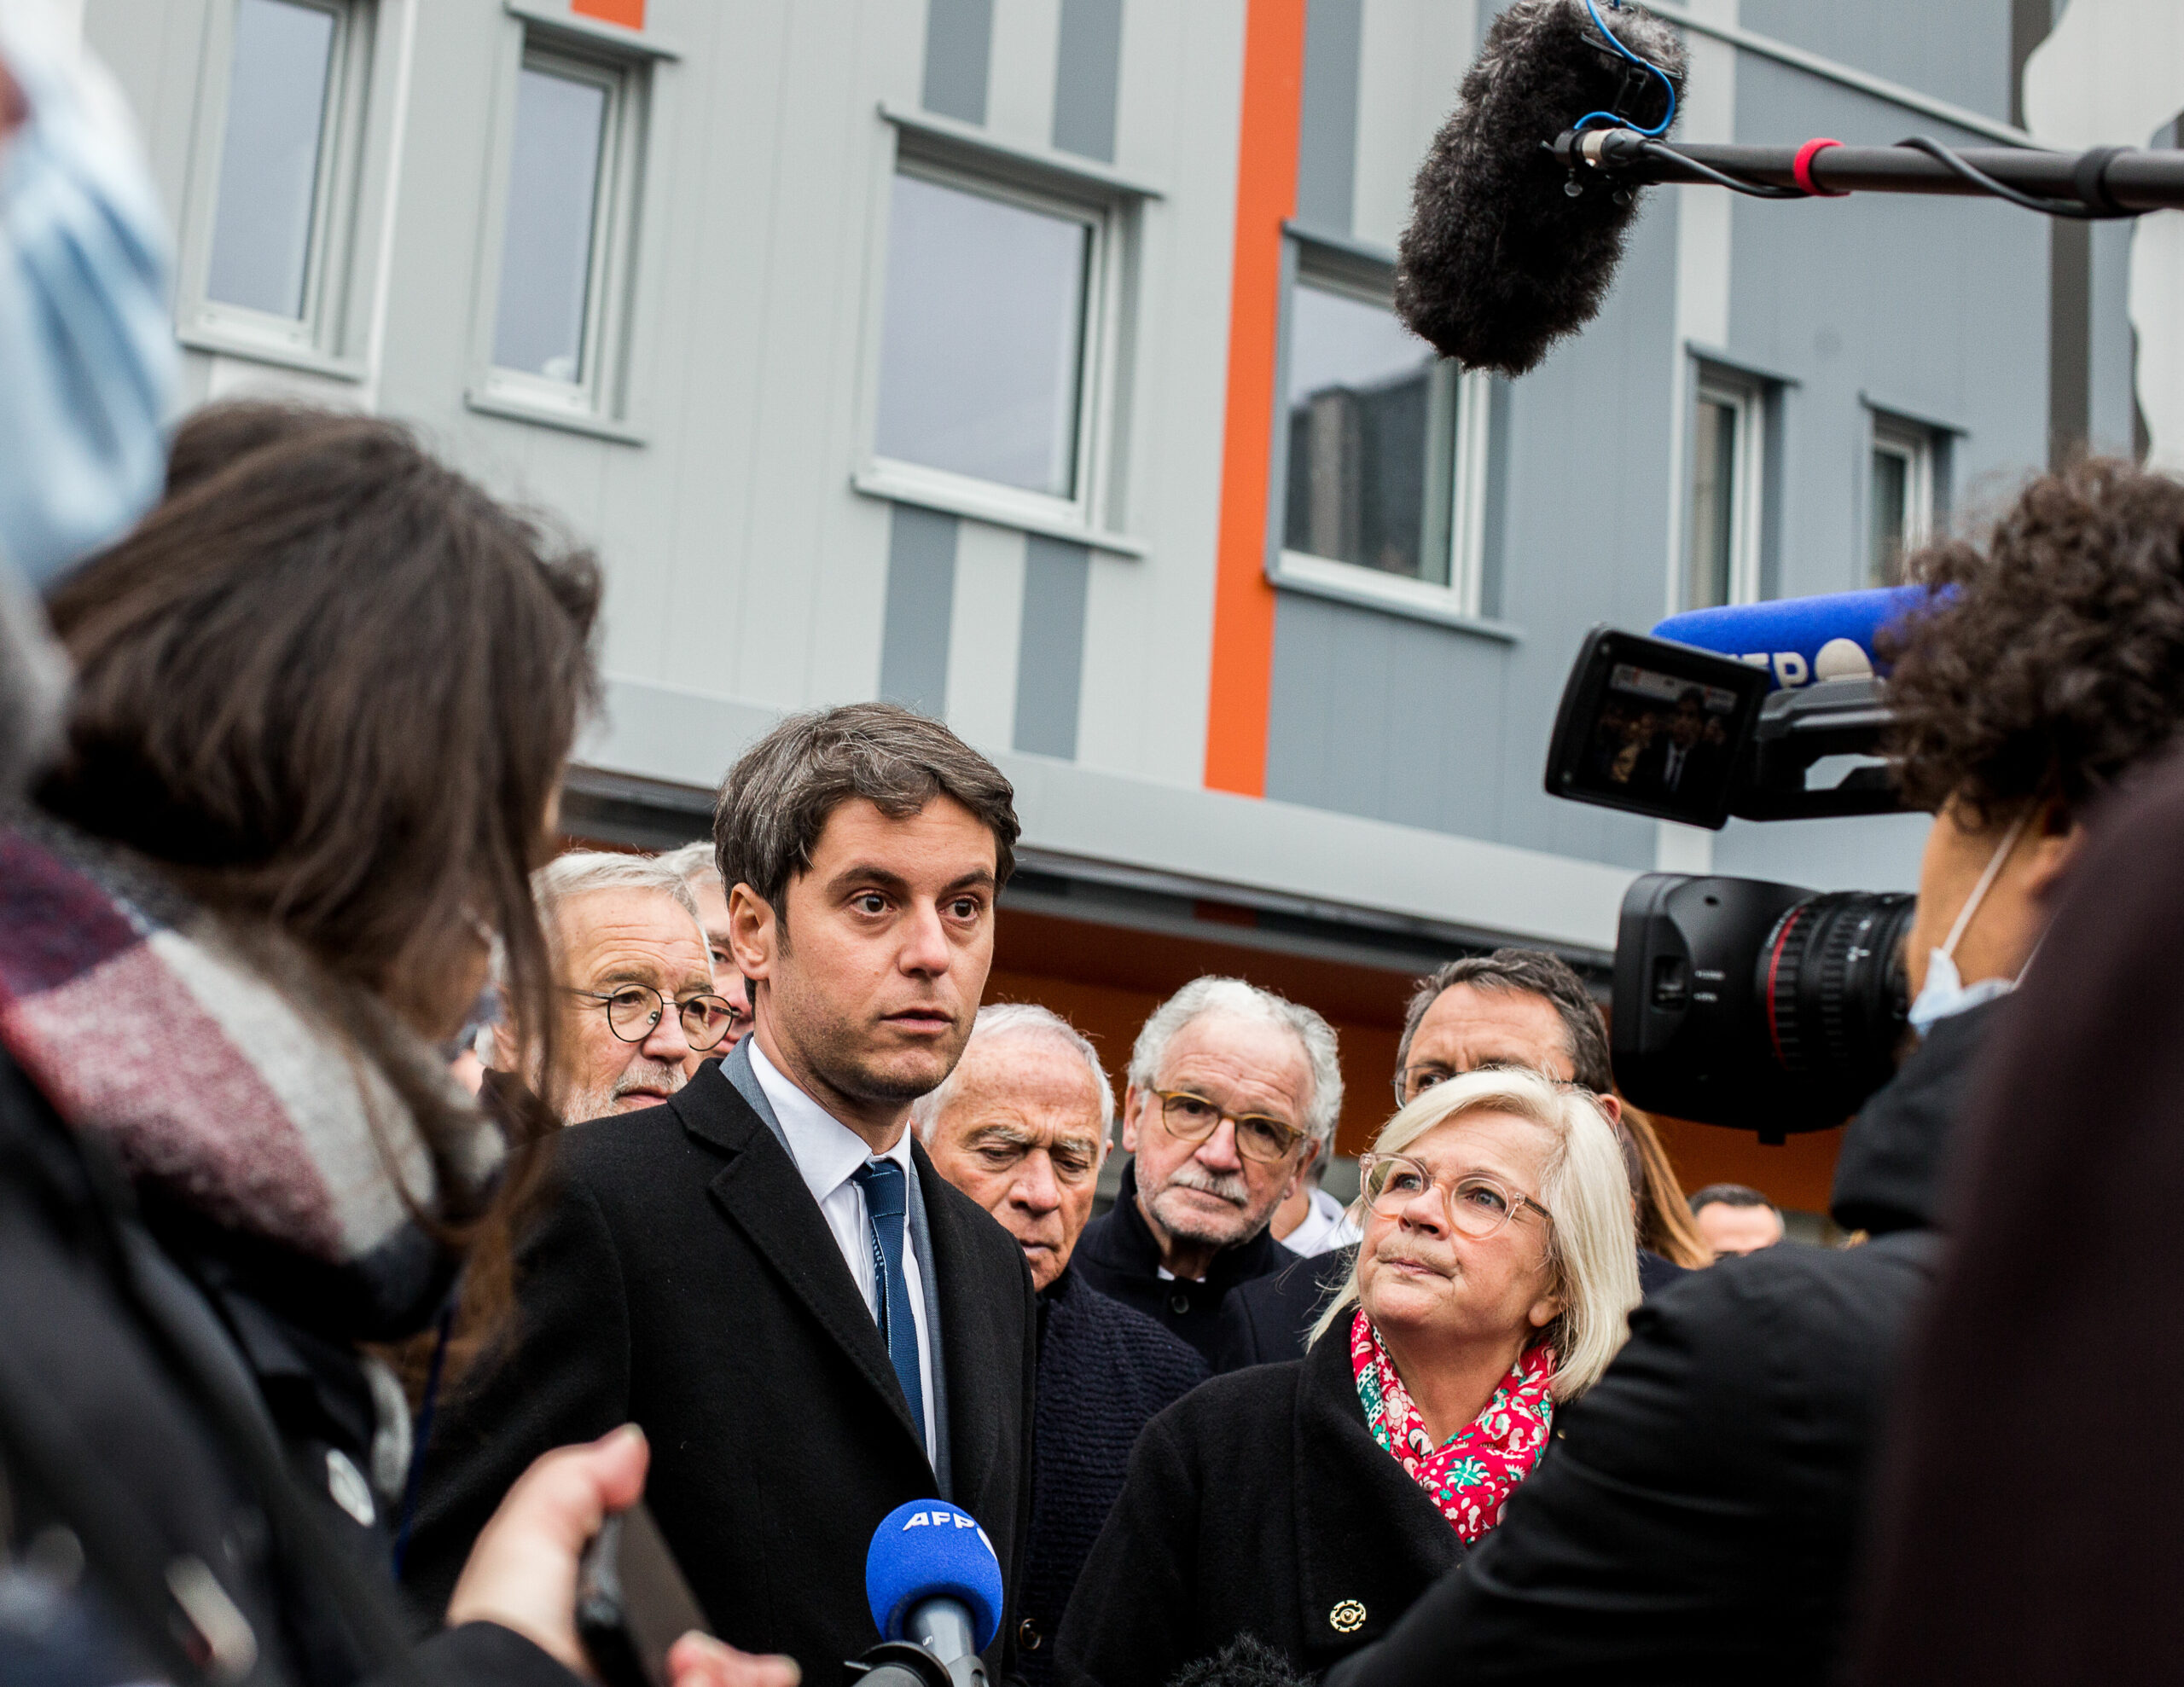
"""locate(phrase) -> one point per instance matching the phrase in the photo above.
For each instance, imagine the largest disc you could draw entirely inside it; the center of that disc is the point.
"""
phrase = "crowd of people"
(389, 1194)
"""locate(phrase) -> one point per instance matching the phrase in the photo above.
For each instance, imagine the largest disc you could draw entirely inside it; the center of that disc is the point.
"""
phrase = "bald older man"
(1021, 1127)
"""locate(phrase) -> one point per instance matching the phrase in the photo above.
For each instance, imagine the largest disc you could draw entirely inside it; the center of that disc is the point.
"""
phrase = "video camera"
(1759, 1006)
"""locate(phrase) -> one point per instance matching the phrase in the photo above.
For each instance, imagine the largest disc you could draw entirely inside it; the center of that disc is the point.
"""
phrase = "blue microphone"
(932, 1581)
(1799, 641)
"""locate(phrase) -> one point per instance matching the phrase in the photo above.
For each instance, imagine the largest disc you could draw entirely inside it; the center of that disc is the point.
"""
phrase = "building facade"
(1030, 362)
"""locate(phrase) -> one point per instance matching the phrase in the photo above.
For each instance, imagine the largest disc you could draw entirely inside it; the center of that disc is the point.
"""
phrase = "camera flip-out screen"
(1655, 727)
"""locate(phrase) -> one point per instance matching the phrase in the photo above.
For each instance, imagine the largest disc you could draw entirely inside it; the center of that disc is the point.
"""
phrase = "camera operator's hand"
(522, 1573)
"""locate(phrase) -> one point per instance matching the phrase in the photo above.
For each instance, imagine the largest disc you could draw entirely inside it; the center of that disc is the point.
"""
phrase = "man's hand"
(522, 1573)
(700, 1660)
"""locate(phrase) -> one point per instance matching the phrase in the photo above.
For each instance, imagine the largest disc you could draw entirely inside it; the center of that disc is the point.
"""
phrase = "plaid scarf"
(1470, 1476)
(274, 1144)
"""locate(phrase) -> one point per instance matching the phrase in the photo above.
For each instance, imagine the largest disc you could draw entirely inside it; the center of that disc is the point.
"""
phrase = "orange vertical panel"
(1242, 668)
(630, 13)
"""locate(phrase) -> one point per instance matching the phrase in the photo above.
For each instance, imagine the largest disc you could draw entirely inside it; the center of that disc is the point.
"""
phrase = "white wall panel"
(985, 612)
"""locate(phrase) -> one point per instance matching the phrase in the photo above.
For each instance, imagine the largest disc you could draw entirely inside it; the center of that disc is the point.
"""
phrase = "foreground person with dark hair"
(766, 1272)
(323, 696)
(2077, 1113)
(1696, 1520)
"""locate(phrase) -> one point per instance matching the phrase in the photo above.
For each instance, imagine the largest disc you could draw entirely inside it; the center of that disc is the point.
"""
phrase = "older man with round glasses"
(1233, 1092)
(627, 948)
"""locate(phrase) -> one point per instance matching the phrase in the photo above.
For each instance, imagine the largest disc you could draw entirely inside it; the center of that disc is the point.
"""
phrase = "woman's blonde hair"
(1592, 1245)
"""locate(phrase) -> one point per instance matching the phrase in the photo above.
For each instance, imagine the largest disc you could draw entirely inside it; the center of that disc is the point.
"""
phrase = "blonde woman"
(1307, 1503)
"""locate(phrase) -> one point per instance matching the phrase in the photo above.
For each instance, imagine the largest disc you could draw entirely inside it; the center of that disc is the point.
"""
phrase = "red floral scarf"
(1472, 1475)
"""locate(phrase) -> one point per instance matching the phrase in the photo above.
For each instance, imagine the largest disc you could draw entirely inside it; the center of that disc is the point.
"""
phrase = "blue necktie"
(885, 1202)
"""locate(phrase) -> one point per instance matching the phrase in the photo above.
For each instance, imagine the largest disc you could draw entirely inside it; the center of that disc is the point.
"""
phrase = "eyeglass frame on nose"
(606, 1000)
(1516, 1199)
(1293, 1135)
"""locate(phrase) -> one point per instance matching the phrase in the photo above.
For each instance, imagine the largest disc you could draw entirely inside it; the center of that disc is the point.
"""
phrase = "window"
(1386, 442)
(266, 252)
(1728, 458)
(988, 329)
(556, 340)
(1900, 498)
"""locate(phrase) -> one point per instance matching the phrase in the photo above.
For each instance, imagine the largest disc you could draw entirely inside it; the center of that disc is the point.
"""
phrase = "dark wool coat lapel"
(762, 1193)
(1349, 1489)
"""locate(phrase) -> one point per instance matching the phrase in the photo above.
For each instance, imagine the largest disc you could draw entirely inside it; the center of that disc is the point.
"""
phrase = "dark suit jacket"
(1119, 1257)
(685, 1280)
(1701, 771)
(1259, 1503)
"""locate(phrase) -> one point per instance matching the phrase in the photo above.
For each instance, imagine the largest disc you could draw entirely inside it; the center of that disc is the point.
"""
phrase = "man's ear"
(753, 933)
(1303, 1165)
(1612, 1105)
(1130, 1097)
(2057, 838)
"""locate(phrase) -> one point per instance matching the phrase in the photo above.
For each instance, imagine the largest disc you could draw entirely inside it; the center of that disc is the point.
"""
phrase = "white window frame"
(1746, 400)
(1893, 436)
(1369, 277)
(1081, 516)
(320, 341)
(599, 401)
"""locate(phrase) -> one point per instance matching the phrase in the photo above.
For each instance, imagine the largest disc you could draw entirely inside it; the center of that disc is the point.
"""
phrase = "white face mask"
(1946, 992)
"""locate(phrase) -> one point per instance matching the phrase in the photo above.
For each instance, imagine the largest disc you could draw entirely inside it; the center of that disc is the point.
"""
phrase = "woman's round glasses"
(633, 1011)
(1478, 1205)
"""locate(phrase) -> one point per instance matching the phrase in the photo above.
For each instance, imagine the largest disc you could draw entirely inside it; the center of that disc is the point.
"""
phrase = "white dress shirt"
(1326, 1227)
(829, 1153)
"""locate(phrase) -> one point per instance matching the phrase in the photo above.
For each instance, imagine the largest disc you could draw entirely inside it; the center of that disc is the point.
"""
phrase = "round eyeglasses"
(633, 1010)
(1190, 1117)
(1480, 1206)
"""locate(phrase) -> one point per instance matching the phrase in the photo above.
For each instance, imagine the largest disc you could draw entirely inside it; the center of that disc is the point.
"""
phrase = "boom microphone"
(934, 1587)
(1500, 259)
(1799, 641)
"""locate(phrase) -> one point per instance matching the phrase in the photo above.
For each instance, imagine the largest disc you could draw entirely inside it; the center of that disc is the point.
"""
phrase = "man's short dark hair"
(2055, 663)
(1535, 972)
(775, 802)
(1728, 1195)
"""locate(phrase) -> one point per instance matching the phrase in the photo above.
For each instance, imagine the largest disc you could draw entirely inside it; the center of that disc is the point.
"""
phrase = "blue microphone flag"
(1798, 641)
(931, 1550)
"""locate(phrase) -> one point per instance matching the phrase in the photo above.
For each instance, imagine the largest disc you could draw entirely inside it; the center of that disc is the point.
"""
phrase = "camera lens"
(1832, 981)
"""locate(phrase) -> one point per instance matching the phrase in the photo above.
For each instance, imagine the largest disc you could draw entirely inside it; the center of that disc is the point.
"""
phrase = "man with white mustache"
(1232, 1093)
(638, 1008)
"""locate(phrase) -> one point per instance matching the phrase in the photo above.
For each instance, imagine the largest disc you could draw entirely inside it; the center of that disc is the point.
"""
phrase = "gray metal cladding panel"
(2112, 402)
(1326, 145)
(1877, 852)
(1088, 76)
(921, 605)
(1934, 307)
(1050, 647)
(1381, 716)
(1951, 50)
(1386, 717)
(958, 47)
(1586, 522)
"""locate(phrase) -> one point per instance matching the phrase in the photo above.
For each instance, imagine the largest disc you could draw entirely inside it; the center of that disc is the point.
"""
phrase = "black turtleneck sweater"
(1117, 1255)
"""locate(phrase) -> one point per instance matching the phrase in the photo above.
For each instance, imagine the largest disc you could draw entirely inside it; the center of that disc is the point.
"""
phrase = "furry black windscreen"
(1499, 261)
(1246, 1661)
